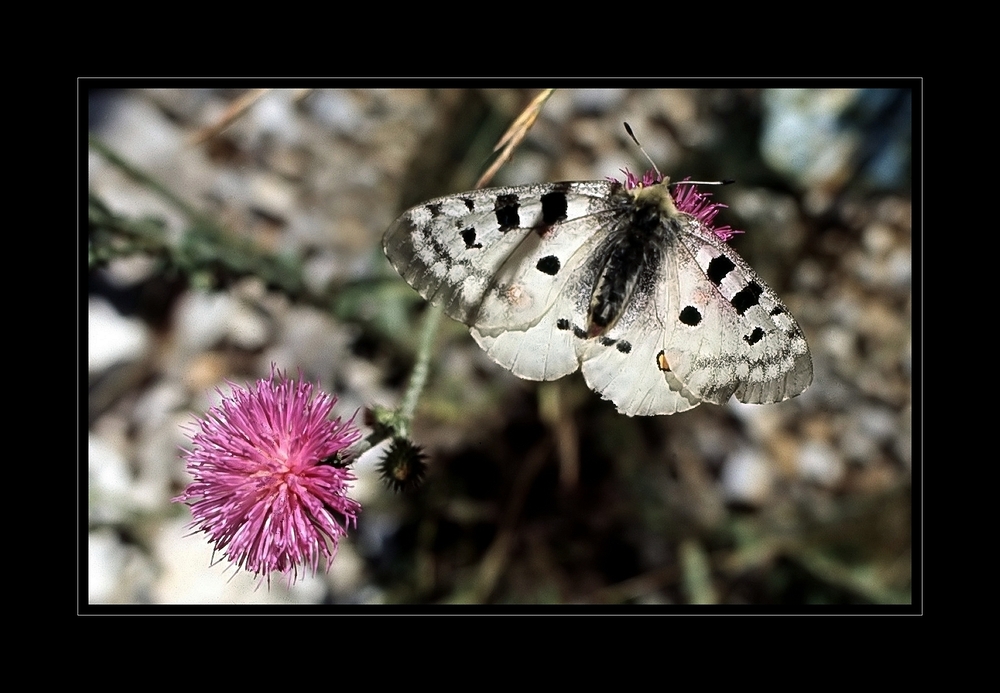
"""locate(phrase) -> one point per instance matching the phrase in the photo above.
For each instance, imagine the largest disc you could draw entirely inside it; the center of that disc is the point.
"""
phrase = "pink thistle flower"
(687, 198)
(692, 201)
(632, 181)
(266, 488)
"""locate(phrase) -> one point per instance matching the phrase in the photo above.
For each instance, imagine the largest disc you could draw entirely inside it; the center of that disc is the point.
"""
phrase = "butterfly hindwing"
(624, 365)
(543, 351)
(732, 334)
(552, 345)
(707, 325)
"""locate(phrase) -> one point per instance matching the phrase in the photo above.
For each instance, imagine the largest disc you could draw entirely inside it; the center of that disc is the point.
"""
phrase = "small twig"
(635, 587)
(235, 110)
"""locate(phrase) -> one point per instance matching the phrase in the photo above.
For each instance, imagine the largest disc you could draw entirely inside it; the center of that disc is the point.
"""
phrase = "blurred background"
(234, 228)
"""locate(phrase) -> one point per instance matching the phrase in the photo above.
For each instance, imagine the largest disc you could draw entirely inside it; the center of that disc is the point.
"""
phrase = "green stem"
(418, 378)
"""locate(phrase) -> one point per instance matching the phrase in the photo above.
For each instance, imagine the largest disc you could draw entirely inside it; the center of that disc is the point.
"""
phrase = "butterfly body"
(614, 279)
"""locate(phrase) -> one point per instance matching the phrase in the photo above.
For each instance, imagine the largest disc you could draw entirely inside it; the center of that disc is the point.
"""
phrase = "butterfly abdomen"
(635, 244)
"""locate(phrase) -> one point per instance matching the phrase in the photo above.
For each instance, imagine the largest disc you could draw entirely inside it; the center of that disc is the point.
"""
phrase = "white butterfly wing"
(633, 381)
(501, 262)
(473, 252)
(702, 327)
(624, 366)
(541, 352)
(733, 335)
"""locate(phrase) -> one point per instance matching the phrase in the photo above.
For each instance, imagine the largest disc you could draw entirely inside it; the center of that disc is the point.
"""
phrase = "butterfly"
(627, 281)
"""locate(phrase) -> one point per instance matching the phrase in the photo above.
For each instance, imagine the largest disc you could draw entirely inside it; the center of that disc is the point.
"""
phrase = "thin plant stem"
(418, 378)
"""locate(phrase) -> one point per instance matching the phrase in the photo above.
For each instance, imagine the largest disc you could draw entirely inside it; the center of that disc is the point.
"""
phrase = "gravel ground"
(536, 493)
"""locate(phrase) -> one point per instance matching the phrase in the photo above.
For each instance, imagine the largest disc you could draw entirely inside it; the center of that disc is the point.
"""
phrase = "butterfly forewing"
(457, 250)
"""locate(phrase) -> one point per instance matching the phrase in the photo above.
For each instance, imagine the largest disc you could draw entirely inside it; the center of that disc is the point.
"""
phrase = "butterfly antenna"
(628, 129)
(728, 181)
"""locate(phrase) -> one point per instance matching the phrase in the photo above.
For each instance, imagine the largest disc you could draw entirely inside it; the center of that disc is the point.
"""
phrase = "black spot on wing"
(469, 236)
(579, 333)
(607, 341)
(690, 316)
(506, 211)
(746, 297)
(776, 311)
(549, 265)
(554, 207)
(469, 203)
(623, 346)
(754, 337)
(562, 324)
(718, 268)
(434, 208)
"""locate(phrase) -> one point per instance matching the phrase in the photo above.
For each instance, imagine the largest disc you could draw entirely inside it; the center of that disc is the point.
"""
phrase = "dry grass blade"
(237, 109)
(514, 135)
(300, 95)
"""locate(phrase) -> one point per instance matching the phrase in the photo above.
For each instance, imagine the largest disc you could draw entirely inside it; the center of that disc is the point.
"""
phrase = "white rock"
(819, 462)
(747, 477)
(201, 320)
(247, 328)
(112, 338)
(105, 560)
(274, 114)
(189, 576)
(338, 110)
(109, 482)
(597, 100)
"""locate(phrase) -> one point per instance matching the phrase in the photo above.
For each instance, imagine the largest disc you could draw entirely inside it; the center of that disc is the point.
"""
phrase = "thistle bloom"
(688, 199)
(649, 178)
(265, 489)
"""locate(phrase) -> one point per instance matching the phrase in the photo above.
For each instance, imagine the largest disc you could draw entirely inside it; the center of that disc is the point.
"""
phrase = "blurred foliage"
(207, 255)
